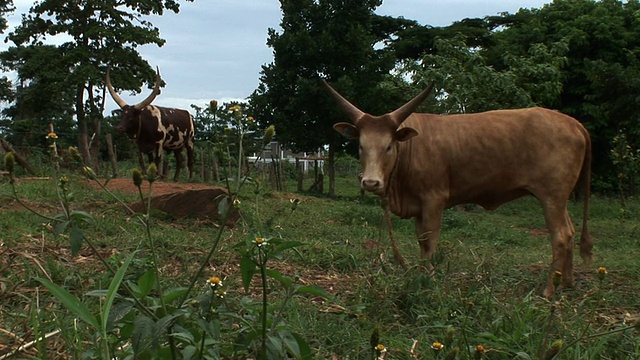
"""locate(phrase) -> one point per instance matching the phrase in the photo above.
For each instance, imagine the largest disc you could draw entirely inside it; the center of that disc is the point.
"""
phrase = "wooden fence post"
(300, 169)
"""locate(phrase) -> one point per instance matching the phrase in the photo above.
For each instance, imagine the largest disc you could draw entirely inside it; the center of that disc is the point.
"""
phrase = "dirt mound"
(159, 187)
(178, 200)
(199, 204)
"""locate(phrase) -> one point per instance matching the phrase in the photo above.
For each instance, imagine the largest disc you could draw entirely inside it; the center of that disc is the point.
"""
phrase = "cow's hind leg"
(190, 159)
(562, 234)
(178, 153)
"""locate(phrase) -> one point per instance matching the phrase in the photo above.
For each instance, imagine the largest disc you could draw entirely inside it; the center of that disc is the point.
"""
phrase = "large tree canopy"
(6, 93)
(602, 77)
(91, 36)
(331, 39)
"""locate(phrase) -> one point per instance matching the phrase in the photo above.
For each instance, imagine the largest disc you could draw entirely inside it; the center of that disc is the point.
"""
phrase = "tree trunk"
(112, 156)
(83, 139)
(95, 144)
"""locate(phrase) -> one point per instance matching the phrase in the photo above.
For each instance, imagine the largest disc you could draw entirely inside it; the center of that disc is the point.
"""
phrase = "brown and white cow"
(421, 164)
(156, 129)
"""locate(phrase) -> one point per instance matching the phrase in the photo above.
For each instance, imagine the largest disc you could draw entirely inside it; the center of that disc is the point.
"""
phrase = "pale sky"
(215, 48)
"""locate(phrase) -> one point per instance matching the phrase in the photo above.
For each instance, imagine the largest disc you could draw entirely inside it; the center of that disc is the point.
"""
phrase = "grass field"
(322, 285)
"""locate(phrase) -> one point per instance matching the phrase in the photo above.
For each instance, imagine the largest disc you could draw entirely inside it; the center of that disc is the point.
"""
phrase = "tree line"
(580, 57)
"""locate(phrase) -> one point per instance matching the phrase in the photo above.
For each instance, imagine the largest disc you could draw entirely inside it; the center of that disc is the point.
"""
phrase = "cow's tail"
(586, 242)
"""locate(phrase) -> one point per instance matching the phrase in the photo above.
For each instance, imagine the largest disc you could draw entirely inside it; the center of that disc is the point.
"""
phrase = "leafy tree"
(465, 82)
(41, 96)
(411, 40)
(6, 93)
(333, 39)
(602, 77)
(228, 132)
(95, 34)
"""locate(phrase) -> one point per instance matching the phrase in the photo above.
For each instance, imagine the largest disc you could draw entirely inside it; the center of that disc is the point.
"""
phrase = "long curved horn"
(113, 93)
(403, 112)
(156, 90)
(353, 112)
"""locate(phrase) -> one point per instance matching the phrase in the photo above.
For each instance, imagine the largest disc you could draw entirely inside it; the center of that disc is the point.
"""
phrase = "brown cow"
(156, 128)
(421, 164)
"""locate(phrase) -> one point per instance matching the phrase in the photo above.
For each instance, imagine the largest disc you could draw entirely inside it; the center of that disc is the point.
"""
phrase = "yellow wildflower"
(437, 346)
(152, 172)
(9, 162)
(269, 133)
(89, 173)
(214, 282)
(602, 271)
(260, 241)
(52, 135)
(136, 175)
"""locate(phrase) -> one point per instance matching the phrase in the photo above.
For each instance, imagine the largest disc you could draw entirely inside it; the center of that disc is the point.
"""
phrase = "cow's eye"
(389, 149)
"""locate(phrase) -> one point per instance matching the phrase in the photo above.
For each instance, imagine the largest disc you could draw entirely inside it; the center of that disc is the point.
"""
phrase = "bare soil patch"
(159, 187)
(179, 200)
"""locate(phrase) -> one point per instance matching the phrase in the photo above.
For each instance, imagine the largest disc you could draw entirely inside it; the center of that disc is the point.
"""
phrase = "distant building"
(273, 151)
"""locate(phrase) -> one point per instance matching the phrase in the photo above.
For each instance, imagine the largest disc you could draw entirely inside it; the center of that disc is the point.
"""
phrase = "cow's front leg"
(158, 161)
(428, 232)
(562, 234)
(143, 166)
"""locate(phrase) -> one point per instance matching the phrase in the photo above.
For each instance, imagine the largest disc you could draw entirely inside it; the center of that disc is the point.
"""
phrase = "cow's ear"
(347, 130)
(405, 134)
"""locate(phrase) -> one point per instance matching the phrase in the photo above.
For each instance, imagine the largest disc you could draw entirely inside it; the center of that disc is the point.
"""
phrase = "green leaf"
(284, 280)
(61, 227)
(305, 349)
(247, 269)
(146, 282)
(295, 345)
(71, 302)
(113, 290)
(173, 294)
(75, 240)
(313, 290)
(163, 324)
(287, 245)
(143, 333)
(223, 206)
(189, 352)
(135, 289)
(79, 216)
(96, 293)
(118, 311)
(275, 350)
(290, 343)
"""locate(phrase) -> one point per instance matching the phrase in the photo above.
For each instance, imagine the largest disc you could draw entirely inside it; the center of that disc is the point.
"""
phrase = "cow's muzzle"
(372, 185)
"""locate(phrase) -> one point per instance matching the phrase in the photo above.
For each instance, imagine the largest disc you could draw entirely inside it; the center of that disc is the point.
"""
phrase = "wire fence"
(210, 166)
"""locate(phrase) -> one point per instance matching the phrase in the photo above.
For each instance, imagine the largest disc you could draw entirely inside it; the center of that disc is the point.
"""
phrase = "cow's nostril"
(370, 184)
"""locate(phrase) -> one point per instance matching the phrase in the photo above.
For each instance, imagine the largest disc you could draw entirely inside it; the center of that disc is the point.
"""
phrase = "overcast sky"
(215, 48)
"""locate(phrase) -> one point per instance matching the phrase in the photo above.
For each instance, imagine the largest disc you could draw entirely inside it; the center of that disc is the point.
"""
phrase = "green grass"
(491, 268)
